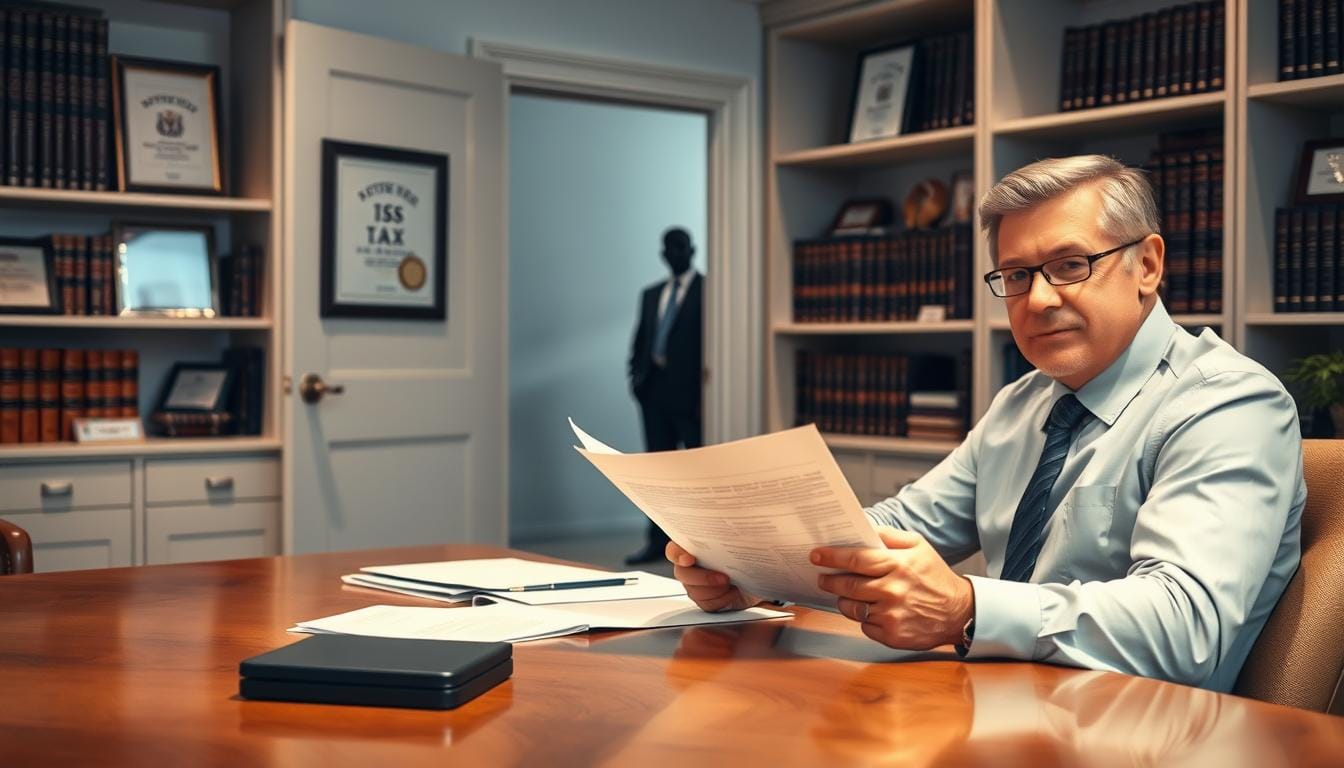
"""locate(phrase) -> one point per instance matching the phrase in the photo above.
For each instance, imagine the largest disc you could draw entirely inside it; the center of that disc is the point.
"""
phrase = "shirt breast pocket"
(1088, 512)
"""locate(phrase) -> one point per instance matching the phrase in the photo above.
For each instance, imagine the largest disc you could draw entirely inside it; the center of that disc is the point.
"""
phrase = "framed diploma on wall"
(883, 93)
(384, 232)
(167, 124)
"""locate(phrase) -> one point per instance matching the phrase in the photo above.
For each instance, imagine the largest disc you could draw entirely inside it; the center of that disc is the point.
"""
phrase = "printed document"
(646, 585)
(753, 509)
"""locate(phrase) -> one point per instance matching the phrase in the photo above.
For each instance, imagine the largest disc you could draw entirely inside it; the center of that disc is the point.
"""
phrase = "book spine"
(1281, 247)
(72, 390)
(29, 426)
(1091, 65)
(130, 383)
(4, 89)
(1296, 252)
(1200, 266)
(1287, 39)
(1218, 46)
(1333, 65)
(74, 101)
(111, 376)
(947, 71)
(93, 385)
(109, 276)
(1110, 41)
(1122, 60)
(968, 74)
(1302, 40)
(1203, 28)
(1162, 70)
(96, 277)
(1316, 38)
(1215, 236)
(49, 395)
(31, 78)
(1136, 43)
(81, 273)
(802, 408)
(1150, 46)
(1066, 66)
(102, 88)
(1174, 61)
(962, 81)
(14, 99)
(60, 100)
(65, 271)
(1326, 287)
(87, 105)
(1311, 258)
(1189, 20)
(46, 106)
(10, 395)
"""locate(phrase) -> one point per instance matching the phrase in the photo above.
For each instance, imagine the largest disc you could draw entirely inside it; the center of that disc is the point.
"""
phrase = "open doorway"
(592, 187)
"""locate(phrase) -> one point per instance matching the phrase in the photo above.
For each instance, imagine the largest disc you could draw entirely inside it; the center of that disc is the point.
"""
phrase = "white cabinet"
(211, 508)
(78, 514)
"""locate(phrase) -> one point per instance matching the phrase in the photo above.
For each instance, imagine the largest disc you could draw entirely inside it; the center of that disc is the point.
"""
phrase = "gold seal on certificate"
(384, 232)
(27, 278)
(167, 123)
(412, 273)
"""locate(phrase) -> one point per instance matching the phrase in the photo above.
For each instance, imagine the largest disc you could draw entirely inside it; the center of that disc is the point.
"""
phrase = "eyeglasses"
(1065, 270)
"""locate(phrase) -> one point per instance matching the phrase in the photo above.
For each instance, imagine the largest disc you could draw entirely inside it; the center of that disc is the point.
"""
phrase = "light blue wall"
(591, 189)
(721, 36)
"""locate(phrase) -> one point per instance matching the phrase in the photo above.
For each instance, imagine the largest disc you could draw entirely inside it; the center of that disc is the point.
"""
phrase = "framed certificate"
(882, 93)
(165, 269)
(196, 387)
(28, 278)
(167, 123)
(1320, 177)
(384, 232)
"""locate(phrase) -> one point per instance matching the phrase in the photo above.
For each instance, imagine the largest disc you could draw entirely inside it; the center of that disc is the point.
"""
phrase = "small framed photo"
(196, 388)
(28, 278)
(1320, 177)
(963, 197)
(166, 115)
(862, 217)
(384, 232)
(883, 93)
(165, 270)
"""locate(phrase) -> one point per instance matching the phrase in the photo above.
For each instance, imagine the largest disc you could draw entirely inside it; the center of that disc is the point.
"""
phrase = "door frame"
(733, 334)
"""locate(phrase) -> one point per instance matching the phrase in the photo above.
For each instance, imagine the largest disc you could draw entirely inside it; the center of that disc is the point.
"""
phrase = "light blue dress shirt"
(1175, 521)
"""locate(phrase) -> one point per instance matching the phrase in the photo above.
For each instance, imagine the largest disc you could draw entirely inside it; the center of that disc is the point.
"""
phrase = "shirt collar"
(683, 280)
(1107, 395)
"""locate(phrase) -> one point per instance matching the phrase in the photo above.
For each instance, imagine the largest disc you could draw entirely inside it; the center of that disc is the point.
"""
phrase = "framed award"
(196, 387)
(167, 126)
(28, 278)
(1320, 175)
(883, 93)
(384, 232)
(165, 269)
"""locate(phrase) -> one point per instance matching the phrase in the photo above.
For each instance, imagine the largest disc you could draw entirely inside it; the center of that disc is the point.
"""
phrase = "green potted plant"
(1320, 379)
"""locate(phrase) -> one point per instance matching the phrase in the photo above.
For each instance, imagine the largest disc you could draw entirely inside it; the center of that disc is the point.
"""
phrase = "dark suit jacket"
(676, 386)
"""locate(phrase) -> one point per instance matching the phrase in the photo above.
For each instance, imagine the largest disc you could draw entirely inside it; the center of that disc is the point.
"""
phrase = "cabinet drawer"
(891, 473)
(198, 532)
(174, 481)
(64, 486)
(78, 539)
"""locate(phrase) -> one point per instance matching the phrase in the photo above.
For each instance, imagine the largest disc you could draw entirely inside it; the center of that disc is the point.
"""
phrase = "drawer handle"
(218, 483)
(58, 489)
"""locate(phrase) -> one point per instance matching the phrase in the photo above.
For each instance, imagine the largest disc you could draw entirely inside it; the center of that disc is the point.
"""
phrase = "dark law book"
(1162, 69)
(72, 390)
(1110, 40)
(130, 383)
(1203, 30)
(1190, 41)
(60, 99)
(74, 95)
(1302, 40)
(1137, 35)
(65, 271)
(1296, 252)
(802, 408)
(1287, 39)
(1200, 257)
(4, 83)
(1326, 288)
(13, 155)
(1122, 59)
(963, 88)
(31, 78)
(1311, 257)
(1091, 65)
(93, 384)
(1281, 246)
(46, 106)
(49, 395)
(1069, 58)
(96, 278)
(1174, 61)
(102, 114)
(1215, 247)
(1316, 38)
(963, 281)
(1217, 45)
(30, 428)
(1333, 64)
(10, 395)
(87, 157)
(81, 273)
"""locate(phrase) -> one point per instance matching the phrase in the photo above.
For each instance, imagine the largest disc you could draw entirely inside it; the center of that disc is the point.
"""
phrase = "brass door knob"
(312, 388)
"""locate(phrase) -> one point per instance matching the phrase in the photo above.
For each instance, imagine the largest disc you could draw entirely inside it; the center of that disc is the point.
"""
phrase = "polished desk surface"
(140, 666)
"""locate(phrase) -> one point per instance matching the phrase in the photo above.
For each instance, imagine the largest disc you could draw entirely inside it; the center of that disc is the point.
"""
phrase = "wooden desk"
(140, 666)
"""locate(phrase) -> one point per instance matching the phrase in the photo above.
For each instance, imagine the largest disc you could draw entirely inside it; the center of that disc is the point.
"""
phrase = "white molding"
(734, 335)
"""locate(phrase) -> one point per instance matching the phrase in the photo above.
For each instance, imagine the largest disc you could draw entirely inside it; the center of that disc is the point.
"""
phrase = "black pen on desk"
(577, 584)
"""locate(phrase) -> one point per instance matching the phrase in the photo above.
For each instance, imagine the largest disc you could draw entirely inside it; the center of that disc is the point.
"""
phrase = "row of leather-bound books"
(1187, 174)
(1171, 52)
(54, 98)
(875, 279)
(946, 84)
(889, 395)
(1309, 259)
(1311, 36)
(85, 274)
(43, 391)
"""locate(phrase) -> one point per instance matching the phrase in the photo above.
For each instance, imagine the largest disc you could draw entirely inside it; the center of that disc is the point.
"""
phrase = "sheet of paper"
(658, 612)
(752, 508)
(648, 585)
(493, 574)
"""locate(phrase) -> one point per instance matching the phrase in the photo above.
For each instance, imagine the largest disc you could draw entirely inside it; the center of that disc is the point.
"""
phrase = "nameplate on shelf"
(108, 431)
(930, 313)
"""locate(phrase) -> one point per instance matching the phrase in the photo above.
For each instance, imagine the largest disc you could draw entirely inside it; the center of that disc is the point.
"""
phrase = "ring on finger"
(863, 612)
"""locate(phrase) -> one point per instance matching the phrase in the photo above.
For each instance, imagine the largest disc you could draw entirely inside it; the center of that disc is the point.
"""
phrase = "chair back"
(1298, 659)
(16, 549)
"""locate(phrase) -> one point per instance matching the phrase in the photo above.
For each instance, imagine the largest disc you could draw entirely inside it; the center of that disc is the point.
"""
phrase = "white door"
(412, 451)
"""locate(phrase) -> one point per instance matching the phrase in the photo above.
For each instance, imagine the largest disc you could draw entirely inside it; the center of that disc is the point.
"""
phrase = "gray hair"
(1128, 211)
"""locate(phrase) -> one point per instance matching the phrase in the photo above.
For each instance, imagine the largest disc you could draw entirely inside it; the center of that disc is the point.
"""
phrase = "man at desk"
(1137, 498)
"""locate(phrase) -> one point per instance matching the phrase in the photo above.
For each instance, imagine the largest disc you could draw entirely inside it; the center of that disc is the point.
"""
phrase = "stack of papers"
(514, 623)
(510, 578)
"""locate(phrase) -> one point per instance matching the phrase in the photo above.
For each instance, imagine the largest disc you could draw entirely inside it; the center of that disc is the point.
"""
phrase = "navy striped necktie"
(1024, 540)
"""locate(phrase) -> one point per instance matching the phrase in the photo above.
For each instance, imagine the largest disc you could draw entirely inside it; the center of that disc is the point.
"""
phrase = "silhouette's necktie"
(665, 327)
(1024, 540)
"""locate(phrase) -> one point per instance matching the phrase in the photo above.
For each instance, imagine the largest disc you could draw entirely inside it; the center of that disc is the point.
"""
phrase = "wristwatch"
(967, 635)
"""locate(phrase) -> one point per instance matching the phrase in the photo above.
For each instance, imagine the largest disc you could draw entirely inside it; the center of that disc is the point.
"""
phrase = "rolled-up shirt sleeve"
(1204, 543)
